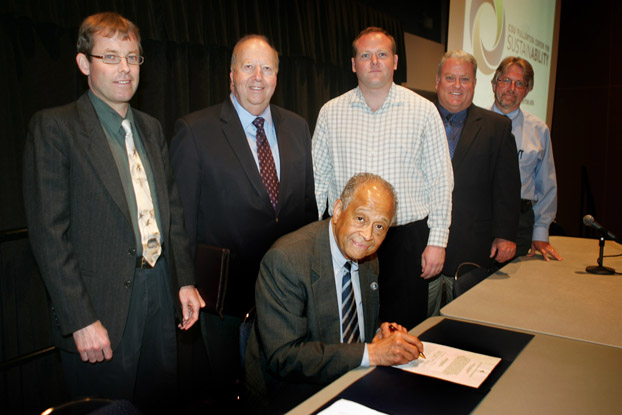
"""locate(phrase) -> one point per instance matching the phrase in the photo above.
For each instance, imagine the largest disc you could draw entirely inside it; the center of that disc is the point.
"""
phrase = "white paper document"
(453, 365)
(346, 407)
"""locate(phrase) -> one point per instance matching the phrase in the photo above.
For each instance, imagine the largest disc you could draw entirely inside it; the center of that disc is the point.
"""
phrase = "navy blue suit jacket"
(225, 201)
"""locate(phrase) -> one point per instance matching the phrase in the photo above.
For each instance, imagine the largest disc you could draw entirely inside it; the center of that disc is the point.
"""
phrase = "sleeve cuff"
(438, 237)
(540, 234)
(365, 360)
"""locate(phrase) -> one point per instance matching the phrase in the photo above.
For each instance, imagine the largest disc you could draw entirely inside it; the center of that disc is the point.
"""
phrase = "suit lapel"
(95, 144)
(472, 125)
(324, 289)
(236, 137)
(285, 151)
(368, 277)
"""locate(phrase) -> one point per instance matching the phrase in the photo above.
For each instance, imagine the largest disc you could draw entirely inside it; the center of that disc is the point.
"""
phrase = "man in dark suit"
(486, 196)
(106, 227)
(245, 178)
(317, 302)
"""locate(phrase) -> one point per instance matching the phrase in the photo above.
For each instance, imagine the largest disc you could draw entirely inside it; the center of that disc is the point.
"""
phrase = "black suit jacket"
(486, 196)
(295, 346)
(225, 201)
(79, 222)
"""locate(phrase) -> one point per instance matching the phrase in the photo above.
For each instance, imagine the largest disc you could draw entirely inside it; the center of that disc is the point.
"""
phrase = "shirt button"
(131, 251)
(127, 284)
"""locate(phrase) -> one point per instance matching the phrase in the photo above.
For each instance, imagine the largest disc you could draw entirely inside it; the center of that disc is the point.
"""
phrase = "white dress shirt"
(338, 262)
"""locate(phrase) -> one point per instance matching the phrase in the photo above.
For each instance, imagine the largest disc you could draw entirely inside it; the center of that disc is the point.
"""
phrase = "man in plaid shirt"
(385, 129)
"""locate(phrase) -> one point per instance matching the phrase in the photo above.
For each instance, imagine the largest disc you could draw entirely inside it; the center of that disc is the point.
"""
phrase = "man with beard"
(511, 83)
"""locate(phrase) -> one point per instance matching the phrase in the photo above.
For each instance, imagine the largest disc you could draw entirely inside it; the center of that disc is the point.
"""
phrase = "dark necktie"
(267, 168)
(349, 317)
(452, 135)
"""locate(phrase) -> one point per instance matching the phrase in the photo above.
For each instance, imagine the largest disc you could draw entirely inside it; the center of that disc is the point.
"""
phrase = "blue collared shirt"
(537, 168)
(454, 123)
(246, 118)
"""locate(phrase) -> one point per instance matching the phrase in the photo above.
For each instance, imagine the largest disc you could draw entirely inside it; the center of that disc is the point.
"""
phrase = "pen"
(392, 328)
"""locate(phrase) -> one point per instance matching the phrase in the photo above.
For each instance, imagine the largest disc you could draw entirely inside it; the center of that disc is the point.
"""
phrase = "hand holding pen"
(392, 345)
(393, 327)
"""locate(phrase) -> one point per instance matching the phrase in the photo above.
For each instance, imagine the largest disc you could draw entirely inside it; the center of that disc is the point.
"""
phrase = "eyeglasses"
(116, 59)
(507, 82)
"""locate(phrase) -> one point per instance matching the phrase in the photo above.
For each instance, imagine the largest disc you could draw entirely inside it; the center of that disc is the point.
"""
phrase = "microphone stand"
(600, 269)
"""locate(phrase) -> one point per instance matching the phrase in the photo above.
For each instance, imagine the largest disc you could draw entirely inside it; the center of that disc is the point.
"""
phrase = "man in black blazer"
(300, 342)
(240, 192)
(486, 196)
(106, 227)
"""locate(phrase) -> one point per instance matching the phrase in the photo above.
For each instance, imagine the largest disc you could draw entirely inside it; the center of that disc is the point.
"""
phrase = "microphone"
(588, 220)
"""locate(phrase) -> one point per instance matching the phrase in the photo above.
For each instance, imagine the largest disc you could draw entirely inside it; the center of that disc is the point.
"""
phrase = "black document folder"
(212, 268)
(395, 391)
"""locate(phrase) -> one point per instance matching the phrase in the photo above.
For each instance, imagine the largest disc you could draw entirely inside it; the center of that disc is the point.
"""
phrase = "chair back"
(468, 275)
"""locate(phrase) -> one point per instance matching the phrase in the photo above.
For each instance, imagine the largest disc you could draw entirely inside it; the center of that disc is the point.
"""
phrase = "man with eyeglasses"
(106, 226)
(486, 192)
(511, 83)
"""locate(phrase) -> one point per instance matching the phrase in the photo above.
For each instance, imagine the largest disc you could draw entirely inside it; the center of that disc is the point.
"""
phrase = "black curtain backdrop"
(187, 46)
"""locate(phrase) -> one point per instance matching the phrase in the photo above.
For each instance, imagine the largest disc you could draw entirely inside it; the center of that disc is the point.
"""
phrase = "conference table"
(557, 297)
(573, 363)
(551, 375)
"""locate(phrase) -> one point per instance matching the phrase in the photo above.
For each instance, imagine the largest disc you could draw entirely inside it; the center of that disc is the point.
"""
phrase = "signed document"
(453, 365)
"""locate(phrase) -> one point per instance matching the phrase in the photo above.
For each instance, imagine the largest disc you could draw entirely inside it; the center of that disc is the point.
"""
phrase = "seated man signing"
(317, 302)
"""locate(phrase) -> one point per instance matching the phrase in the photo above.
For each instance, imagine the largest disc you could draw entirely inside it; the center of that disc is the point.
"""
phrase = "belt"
(141, 263)
(525, 205)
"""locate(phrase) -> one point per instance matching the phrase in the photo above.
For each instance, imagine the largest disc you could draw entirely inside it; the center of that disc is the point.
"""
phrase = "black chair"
(94, 406)
(468, 275)
(245, 331)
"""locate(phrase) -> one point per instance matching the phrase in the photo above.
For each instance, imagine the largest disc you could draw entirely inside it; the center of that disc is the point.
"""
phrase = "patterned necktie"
(147, 224)
(267, 168)
(349, 317)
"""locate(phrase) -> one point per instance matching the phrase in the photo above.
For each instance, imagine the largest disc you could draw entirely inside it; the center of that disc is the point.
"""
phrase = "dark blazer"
(225, 201)
(486, 196)
(79, 221)
(295, 345)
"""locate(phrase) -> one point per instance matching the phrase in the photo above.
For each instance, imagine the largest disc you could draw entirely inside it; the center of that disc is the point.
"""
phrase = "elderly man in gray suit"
(107, 228)
(317, 302)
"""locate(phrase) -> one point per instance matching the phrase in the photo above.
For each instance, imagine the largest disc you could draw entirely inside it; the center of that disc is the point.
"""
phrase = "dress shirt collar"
(358, 100)
(511, 115)
(110, 119)
(246, 118)
(456, 117)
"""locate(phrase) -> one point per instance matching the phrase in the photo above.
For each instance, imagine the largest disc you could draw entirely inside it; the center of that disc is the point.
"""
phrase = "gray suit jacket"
(79, 221)
(295, 346)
